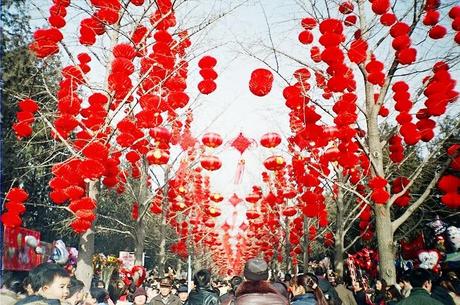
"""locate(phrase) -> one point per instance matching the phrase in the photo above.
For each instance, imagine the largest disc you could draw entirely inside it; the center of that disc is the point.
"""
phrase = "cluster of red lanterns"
(454, 14)
(119, 80)
(375, 75)
(396, 149)
(46, 40)
(25, 118)
(306, 36)
(439, 90)
(403, 105)
(14, 207)
(398, 184)
(431, 18)
(208, 84)
(405, 54)
(379, 194)
(347, 8)
(261, 82)
(450, 183)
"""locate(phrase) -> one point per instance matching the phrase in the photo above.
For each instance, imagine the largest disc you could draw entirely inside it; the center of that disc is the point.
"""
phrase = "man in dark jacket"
(203, 294)
(165, 297)
(329, 292)
(256, 290)
(230, 295)
(420, 279)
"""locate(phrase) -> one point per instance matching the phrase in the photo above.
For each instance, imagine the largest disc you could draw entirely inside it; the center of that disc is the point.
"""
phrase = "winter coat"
(419, 296)
(37, 300)
(442, 295)
(203, 296)
(360, 297)
(8, 297)
(304, 299)
(227, 298)
(345, 294)
(329, 292)
(258, 293)
(171, 300)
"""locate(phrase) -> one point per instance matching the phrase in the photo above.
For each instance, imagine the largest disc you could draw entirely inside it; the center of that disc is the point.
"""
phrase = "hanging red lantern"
(158, 156)
(274, 163)
(270, 140)
(210, 163)
(261, 82)
(289, 211)
(252, 198)
(161, 134)
(251, 214)
(212, 139)
(216, 197)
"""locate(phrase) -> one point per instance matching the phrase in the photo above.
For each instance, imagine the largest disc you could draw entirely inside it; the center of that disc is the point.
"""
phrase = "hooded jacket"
(258, 293)
(304, 299)
(419, 296)
(203, 296)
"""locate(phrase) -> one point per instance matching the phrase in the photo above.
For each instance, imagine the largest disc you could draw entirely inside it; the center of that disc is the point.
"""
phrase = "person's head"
(256, 269)
(281, 288)
(308, 283)
(182, 293)
(165, 286)
(139, 296)
(76, 293)
(287, 277)
(380, 285)
(357, 286)
(51, 281)
(235, 282)
(319, 271)
(100, 284)
(339, 280)
(392, 293)
(202, 278)
(97, 295)
(12, 283)
(27, 286)
(403, 281)
(420, 278)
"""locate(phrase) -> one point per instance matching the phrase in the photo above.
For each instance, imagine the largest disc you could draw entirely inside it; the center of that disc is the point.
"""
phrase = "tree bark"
(139, 242)
(306, 242)
(339, 234)
(84, 271)
(385, 243)
(287, 249)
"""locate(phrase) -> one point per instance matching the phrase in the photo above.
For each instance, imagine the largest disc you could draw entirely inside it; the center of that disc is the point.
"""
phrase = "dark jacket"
(203, 296)
(171, 300)
(258, 293)
(226, 299)
(329, 292)
(37, 300)
(345, 294)
(360, 297)
(419, 296)
(304, 299)
(379, 298)
(442, 295)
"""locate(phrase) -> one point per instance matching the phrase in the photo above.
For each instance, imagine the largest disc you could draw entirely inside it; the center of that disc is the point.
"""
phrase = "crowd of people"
(50, 284)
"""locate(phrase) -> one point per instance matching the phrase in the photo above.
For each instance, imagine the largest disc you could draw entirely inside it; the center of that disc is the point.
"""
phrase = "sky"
(235, 39)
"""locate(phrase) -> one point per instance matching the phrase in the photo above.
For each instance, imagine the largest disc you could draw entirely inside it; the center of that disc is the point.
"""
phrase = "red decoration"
(211, 139)
(261, 82)
(210, 163)
(270, 140)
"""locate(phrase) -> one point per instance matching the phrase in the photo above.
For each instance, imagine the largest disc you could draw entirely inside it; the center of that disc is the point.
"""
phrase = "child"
(50, 283)
(76, 293)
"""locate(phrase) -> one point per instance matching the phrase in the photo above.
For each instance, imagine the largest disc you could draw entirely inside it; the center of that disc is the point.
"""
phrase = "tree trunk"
(306, 242)
(162, 250)
(339, 234)
(385, 244)
(84, 271)
(287, 249)
(139, 241)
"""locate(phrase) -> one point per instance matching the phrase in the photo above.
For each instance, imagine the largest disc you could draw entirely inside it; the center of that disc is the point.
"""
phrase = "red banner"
(19, 249)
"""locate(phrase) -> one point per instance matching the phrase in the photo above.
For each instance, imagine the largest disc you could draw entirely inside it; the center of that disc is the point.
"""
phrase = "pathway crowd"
(50, 284)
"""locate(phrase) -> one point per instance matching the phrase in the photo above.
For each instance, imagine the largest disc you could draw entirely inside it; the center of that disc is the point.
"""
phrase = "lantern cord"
(239, 171)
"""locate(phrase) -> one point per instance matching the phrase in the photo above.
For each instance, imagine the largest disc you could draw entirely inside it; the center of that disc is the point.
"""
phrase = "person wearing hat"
(182, 293)
(165, 297)
(203, 293)
(256, 290)
(230, 295)
(139, 296)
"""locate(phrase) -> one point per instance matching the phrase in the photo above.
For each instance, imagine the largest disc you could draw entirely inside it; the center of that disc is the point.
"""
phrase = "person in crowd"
(306, 291)
(11, 290)
(447, 281)
(118, 291)
(281, 288)
(165, 297)
(440, 292)
(139, 297)
(203, 293)
(359, 293)
(50, 285)
(27, 286)
(345, 294)
(379, 292)
(76, 293)
(392, 295)
(328, 291)
(230, 295)
(100, 284)
(420, 280)
(182, 293)
(287, 279)
(97, 296)
(256, 290)
(404, 285)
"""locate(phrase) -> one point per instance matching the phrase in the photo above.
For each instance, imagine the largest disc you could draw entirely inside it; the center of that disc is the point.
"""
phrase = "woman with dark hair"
(97, 296)
(306, 291)
(359, 293)
(392, 296)
(76, 293)
(380, 290)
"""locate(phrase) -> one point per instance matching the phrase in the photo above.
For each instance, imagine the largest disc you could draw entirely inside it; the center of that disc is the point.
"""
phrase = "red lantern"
(212, 139)
(158, 156)
(289, 211)
(216, 197)
(251, 214)
(252, 198)
(261, 82)
(270, 140)
(210, 163)
(274, 163)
